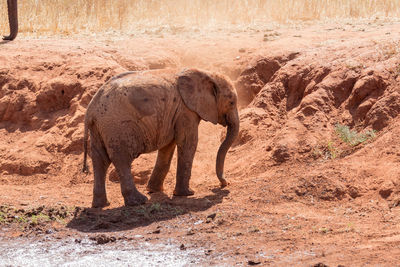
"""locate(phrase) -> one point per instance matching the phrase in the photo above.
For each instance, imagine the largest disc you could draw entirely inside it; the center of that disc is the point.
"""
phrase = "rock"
(49, 231)
(208, 252)
(210, 217)
(386, 189)
(253, 262)
(281, 154)
(385, 193)
(103, 239)
(190, 232)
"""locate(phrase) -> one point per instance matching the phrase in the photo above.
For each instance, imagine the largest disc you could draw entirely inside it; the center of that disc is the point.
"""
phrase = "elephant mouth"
(224, 121)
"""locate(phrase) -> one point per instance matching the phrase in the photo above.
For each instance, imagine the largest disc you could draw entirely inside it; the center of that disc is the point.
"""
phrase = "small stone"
(252, 262)
(49, 231)
(212, 216)
(190, 231)
(208, 252)
(102, 239)
(385, 193)
(182, 247)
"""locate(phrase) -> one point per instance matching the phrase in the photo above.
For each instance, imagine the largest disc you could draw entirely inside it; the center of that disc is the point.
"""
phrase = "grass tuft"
(352, 137)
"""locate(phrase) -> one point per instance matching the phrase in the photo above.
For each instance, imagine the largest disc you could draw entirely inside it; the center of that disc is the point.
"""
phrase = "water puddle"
(23, 252)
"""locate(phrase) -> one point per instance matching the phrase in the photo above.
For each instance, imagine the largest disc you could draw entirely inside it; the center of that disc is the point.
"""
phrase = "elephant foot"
(154, 189)
(135, 199)
(154, 186)
(223, 183)
(183, 192)
(100, 203)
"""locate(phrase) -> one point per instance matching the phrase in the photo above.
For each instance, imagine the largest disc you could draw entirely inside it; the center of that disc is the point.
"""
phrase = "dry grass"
(72, 16)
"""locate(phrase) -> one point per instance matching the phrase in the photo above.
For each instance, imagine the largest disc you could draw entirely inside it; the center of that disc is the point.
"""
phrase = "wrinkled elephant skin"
(140, 112)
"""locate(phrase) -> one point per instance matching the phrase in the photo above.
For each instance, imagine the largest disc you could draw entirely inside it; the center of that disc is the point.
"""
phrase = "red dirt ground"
(298, 194)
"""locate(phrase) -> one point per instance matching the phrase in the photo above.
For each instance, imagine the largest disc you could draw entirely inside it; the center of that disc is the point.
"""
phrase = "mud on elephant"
(140, 112)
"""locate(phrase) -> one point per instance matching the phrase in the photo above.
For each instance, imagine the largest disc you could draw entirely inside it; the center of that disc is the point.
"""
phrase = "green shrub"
(351, 137)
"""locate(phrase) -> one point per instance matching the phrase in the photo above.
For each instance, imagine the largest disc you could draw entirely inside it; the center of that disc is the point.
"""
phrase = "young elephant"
(140, 112)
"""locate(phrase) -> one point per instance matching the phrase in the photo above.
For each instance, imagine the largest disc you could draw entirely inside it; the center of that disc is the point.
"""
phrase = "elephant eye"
(232, 103)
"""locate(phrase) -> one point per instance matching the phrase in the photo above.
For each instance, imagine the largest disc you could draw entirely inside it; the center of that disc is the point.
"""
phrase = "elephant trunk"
(232, 120)
(13, 19)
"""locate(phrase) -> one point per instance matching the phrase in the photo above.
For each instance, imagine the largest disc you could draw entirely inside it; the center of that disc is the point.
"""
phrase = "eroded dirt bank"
(299, 193)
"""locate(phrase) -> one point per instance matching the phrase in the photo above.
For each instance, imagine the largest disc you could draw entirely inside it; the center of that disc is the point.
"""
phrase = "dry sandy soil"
(299, 194)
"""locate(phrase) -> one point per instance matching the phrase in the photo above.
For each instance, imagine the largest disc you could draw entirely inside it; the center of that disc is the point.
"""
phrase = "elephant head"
(13, 19)
(214, 99)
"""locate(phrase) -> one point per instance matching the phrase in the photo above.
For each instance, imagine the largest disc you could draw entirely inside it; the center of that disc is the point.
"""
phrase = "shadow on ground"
(160, 207)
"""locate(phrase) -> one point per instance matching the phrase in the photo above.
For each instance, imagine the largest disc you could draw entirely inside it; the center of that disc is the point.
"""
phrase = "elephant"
(13, 19)
(143, 111)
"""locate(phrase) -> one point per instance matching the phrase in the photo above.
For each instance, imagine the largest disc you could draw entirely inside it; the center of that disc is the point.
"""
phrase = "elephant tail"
(85, 145)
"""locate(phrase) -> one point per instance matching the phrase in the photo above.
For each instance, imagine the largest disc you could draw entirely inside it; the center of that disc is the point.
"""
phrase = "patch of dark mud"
(34, 219)
(39, 219)
(160, 208)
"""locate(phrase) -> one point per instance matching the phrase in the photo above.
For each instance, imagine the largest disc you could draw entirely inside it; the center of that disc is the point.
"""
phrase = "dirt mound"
(311, 96)
(315, 167)
(260, 72)
(47, 99)
(304, 107)
(292, 102)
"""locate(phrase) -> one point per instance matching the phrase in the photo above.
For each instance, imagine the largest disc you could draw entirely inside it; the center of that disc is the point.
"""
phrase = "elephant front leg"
(161, 168)
(185, 162)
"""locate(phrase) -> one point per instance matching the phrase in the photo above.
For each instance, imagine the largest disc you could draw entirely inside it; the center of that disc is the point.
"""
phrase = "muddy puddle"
(86, 252)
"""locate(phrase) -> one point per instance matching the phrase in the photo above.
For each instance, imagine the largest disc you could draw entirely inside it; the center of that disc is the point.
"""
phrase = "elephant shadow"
(160, 207)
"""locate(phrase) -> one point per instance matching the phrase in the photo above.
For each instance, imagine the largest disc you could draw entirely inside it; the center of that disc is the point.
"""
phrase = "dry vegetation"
(68, 17)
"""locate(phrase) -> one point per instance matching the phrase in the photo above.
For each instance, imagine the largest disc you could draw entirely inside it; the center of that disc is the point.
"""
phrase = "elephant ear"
(199, 93)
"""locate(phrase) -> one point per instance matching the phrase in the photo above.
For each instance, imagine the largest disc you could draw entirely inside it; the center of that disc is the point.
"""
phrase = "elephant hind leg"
(101, 162)
(132, 196)
(161, 168)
